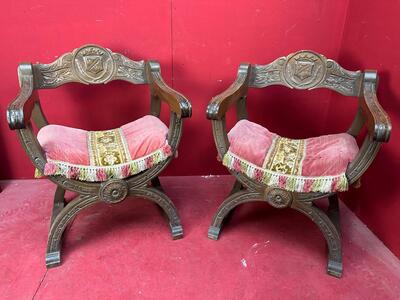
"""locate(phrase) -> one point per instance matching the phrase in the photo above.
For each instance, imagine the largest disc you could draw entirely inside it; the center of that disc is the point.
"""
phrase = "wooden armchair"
(113, 171)
(277, 175)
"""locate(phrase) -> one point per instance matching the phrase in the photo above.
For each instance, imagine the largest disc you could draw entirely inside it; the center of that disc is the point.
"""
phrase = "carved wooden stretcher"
(301, 70)
(92, 64)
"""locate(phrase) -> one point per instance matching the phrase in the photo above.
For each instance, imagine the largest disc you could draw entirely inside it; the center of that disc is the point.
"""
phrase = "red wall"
(200, 44)
(371, 40)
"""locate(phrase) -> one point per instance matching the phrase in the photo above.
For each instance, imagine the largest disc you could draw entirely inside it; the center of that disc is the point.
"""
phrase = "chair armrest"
(20, 110)
(220, 104)
(377, 120)
(176, 101)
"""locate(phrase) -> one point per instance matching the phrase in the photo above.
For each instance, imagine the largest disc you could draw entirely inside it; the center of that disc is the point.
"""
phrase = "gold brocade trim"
(107, 148)
(285, 156)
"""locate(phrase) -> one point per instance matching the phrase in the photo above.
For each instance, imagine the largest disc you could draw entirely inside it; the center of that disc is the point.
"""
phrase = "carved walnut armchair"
(293, 173)
(101, 166)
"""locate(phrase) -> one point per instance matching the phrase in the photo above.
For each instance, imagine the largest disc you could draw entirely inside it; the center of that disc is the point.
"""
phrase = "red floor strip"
(125, 251)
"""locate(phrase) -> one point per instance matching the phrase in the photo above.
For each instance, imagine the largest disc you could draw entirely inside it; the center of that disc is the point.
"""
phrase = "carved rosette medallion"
(93, 64)
(277, 197)
(304, 69)
(113, 191)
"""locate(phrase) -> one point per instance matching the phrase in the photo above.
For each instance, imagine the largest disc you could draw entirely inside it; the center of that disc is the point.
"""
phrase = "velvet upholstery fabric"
(67, 150)
(326, 157)
(143, 136)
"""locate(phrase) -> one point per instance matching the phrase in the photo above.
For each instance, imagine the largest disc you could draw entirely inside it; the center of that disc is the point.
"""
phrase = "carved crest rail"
(307, 70)
(89, 64)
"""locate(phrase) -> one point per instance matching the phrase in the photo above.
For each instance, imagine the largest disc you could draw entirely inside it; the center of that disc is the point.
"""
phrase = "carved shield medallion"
(93, 64)
(304, 69)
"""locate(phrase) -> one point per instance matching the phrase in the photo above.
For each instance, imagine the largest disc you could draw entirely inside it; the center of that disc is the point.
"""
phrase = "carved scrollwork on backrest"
(89, 64)
(307, 70)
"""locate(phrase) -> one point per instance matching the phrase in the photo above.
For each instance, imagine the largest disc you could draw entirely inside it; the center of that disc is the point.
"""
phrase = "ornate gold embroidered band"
(107, 148)
(285, 156)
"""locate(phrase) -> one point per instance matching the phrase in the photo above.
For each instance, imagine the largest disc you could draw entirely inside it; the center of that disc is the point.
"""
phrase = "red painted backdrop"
(199, 45)
(371, 40)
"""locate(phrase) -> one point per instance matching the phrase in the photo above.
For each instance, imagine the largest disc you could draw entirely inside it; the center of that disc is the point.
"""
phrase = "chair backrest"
(89, 64)
(307, 70)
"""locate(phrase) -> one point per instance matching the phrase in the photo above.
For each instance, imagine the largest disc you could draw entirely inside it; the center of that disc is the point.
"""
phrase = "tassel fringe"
(103, 173)
(292, 183)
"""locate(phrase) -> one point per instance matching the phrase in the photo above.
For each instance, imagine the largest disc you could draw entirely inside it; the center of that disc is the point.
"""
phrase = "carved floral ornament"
(278, 198)
(113, 191)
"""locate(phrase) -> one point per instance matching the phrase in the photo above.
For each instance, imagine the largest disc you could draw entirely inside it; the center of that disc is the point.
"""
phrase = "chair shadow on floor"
(277, 224)
(99, 221)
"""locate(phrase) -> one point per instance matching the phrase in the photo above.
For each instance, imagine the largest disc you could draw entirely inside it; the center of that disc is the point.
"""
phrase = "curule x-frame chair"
(294, 173)
(118, 163)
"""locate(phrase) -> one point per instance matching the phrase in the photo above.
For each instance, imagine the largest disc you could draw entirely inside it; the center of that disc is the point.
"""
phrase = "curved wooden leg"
(333, 210)
(230, 203)
(157, 196)
(155, 182)
(237, 186)
(60, 222)
(59, 203)
(330, 232)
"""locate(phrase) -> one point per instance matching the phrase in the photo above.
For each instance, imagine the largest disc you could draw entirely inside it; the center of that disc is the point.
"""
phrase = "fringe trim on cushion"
(293, 183)
(103, 173)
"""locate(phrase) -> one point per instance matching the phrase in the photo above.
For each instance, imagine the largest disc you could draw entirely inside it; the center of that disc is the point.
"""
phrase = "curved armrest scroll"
(377, 120)
(220, 104)
(176, 101)
(20, 110)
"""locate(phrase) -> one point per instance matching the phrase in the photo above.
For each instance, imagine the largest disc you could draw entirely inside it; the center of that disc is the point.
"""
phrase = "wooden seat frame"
(72, 67)
(316, 72)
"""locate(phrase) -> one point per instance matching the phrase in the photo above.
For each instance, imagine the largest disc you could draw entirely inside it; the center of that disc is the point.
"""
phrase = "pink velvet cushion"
(316, 164)
(68, 153)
